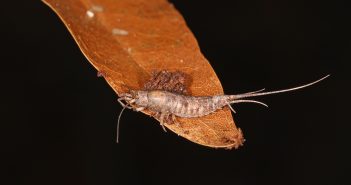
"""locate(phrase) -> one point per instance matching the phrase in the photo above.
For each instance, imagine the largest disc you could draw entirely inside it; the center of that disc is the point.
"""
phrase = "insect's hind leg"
(169, 119)
(174, 120)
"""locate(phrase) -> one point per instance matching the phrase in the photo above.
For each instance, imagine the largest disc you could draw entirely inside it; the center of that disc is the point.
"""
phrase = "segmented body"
(181, 105)
(157, 98)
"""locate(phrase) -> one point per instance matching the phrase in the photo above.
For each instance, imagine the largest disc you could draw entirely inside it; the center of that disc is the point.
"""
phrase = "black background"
(59, 119)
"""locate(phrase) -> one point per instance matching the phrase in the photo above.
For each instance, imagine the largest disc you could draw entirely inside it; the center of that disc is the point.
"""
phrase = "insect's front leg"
(120, 102)
(139, 109)
(123, 104)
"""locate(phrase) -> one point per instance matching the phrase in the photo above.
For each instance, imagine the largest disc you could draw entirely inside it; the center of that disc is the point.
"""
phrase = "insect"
(167, 104)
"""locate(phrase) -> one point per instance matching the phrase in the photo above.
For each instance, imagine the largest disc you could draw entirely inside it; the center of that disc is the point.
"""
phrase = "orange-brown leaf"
(128, 40)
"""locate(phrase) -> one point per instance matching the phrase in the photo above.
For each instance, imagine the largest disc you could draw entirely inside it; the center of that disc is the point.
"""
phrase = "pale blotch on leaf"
(90, 13)
(117, 31)
(97, 8)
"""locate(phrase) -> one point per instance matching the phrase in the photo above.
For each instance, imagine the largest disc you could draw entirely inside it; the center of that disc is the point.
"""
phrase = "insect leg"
(125, 95)
(139, 109)
(174, 120)
(120, 101)
(156, 115)
(169, 119)
(123, 105)
(100, 74)
(162, 120)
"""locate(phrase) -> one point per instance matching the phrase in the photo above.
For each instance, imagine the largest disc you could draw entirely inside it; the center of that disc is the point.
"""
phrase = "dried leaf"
(128, 40)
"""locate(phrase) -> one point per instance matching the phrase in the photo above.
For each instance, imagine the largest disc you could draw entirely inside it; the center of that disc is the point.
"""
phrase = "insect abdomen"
(189, 106)
(184, 106)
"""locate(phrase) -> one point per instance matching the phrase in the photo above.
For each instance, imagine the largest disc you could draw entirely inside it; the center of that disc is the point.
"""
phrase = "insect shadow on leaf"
(166, 96)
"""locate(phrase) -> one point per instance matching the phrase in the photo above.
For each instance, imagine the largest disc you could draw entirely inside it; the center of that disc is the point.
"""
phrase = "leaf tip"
(236, 141)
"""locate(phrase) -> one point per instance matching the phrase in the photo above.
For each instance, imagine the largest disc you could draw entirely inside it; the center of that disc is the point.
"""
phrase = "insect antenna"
(239, 97)
(252, 92)
(119, 118)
